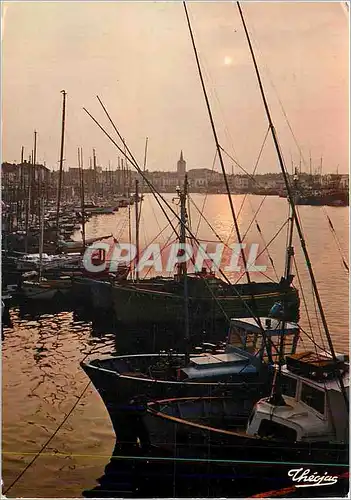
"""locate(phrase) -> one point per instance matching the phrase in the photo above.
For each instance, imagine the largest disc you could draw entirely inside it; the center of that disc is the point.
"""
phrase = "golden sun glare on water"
(228, 61)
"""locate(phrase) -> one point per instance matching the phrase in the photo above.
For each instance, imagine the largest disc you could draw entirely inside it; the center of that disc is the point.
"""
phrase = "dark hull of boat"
(138, 305)
(125, 396)
(337, 199)
(213, 453)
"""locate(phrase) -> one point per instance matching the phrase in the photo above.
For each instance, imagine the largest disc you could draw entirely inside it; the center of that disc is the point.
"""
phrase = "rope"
(336, 240)
(311, 338)
(203, 205)
(303, 294)
(268, 244)
(208, 223)
(252, 176)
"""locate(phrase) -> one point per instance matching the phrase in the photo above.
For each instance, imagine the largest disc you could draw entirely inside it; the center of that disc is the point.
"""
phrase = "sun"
(228, 61)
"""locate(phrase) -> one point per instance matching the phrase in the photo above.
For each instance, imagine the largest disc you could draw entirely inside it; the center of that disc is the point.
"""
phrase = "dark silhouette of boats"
(242, 369)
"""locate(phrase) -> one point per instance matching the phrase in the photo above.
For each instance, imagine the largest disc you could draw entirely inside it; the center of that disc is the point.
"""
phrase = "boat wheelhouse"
(313, 406)
(245, 350)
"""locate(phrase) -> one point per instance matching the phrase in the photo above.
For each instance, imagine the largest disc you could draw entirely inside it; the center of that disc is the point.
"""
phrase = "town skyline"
(147, 79)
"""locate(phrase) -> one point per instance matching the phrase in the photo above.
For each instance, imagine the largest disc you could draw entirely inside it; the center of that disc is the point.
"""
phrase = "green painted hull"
(134, 304)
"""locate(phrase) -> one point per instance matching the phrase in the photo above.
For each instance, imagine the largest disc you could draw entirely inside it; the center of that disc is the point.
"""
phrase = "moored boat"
(45, 289)
(210, 298)
(305, 428)
(242, 369)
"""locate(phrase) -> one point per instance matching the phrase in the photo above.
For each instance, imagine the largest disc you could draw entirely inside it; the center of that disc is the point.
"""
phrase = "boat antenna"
(293, 208)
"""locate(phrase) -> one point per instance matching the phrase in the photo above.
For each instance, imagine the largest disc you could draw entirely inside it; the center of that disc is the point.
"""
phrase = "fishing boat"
(69, 246)
(305, 427)
(45, 289)
(163, 299)
(210, 298)
(302, 425)
(40, 287)
(242, 368)
(324, 197)
(31, 262)
(95, 288)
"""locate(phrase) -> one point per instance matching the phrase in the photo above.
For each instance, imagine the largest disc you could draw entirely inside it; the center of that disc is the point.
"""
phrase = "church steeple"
(181, 169)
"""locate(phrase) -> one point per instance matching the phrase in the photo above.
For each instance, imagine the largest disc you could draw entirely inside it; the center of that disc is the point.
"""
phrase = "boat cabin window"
(313, 397)
(243, 339)
(273, 430)
(288, 386)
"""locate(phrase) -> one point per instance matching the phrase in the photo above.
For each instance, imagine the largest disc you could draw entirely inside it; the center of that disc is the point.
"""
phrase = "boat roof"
(271, 326)
(210, 360)
(326, 385)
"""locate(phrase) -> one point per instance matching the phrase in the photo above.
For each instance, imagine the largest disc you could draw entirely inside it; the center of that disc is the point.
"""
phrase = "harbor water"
(41, 350)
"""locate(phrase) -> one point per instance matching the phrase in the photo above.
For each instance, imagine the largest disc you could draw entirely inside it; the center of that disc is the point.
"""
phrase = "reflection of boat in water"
(241, 369)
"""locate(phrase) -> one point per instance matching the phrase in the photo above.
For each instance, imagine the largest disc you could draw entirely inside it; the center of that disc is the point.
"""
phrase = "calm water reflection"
(41, 376)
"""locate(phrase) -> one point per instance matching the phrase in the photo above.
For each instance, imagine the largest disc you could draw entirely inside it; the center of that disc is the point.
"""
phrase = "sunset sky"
(138, 58)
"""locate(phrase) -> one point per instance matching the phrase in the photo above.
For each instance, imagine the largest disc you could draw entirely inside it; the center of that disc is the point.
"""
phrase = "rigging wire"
(207, 222)
(159, 197)
(254, 216)
(313, 340)
(205, 199)
(251, 176)
(269, 75)
(268, 253)
(336, 239)
(294, 215)
(215, 136)
(268, 244)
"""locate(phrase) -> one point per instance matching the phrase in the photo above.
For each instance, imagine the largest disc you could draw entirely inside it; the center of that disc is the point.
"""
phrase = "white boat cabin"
(246, 335)
(245, 350)
(314, 410)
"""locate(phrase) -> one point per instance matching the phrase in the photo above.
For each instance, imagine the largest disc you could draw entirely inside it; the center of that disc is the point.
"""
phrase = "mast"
(38, 209)
(183, 266)
(218, 147)
(310, 165)
(293, 209)
(276, 397)
(95, 177)
(123, 178)
(81, 177)
(64, 93)
(29, 203)
(41, 241)
(35, 148)
(231, 204)
(137, 220)
(144, 171)
(118, 175)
